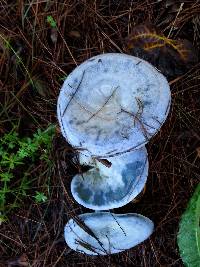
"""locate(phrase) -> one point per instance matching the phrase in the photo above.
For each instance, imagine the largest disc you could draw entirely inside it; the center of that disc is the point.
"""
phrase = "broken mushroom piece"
(104, 188)
(105, 233)
(112, 103)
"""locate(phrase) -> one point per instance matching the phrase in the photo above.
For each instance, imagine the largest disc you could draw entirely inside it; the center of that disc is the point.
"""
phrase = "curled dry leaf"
(171, 57)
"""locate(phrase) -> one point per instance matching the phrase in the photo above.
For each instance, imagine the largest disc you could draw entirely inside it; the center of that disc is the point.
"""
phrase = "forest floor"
(35, 57)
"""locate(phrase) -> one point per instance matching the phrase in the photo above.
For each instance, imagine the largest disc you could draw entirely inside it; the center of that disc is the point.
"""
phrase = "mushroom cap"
(105, 233)
(104, 188)
(112, 103)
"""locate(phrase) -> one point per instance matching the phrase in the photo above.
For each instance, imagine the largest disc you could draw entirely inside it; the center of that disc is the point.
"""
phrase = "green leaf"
(51, 21)
(10, 139)
(3, 154)
(22, 153)
(6, 176)
(14, 152)
(189, 232)
(40, 197)
(2, 218)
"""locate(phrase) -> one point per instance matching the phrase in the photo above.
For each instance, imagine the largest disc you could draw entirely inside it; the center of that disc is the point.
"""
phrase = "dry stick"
(20, 103)
(154, 252)
(59, 258)
(88, 111)
(142, 125)
(111, 41)
(118, 224)
(67, 46)
(86, 246)
(42, 223)
(54, 242)
(180, 9)
(107, 100)
(139, 112)
(144, 257)
(87, 229)
(105, 162)
(144, 132)
(14, 241)
(109, 155)
(99, 16)
(92, 248)
(53, 65)
(42, 44)
(140, 109)
(34, 26)
(76, 90)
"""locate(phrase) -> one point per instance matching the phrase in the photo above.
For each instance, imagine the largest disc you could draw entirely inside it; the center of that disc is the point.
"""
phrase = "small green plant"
(189, 232)
(17, 156)
(51, 21)
(40, 197)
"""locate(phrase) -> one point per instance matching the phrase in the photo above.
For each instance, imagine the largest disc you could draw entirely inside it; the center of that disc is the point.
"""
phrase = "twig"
(118, 224)
(90, 112)
(172, 28)
(140, 109)
(76, 90)
(142, 125)
(107, 100)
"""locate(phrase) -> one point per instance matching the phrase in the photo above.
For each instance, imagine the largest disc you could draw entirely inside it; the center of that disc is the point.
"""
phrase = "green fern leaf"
(189, 232)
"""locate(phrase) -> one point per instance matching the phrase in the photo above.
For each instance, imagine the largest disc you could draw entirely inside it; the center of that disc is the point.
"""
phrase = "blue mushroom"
(107, 233)
(104, 188)
(112, 103)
